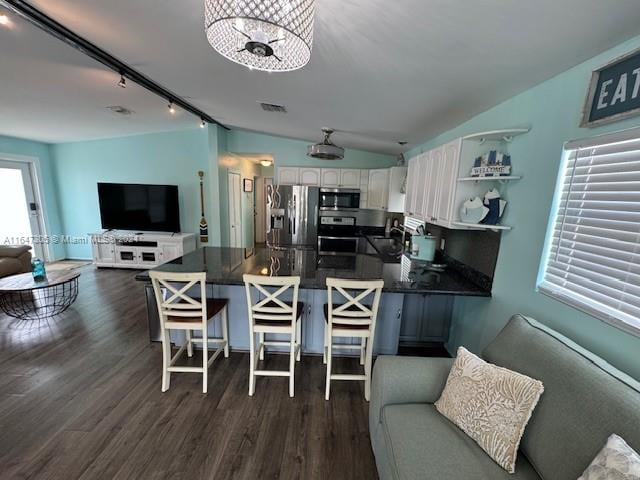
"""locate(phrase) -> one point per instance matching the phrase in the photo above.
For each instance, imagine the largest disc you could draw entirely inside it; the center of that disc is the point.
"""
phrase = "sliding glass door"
(19, 218)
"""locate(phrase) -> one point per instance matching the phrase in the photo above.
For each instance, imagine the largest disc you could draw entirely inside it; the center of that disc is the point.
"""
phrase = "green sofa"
(585, 400)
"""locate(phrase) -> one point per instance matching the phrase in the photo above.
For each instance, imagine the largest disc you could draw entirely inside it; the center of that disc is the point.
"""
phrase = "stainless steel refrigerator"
(292, 216)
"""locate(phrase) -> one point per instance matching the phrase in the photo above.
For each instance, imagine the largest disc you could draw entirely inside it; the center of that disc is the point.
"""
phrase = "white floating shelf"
(481, 226)
(505, 135)
(496, 178)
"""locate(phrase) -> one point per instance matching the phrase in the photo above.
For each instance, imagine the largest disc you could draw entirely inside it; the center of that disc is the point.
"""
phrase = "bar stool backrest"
(175, 300)
(272, 308)
(353, 311)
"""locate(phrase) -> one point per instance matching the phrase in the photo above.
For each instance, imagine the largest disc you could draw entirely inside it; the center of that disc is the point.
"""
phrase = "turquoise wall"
(18, 146)
(552, 110)
(163, 158)
(289, 152)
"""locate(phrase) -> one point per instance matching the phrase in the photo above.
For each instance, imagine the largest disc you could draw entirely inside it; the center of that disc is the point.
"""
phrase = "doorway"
(235, 211)
(20, 222)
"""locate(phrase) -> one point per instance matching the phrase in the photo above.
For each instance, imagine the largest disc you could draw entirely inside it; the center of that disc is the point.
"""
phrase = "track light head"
(171, 109)
(203, 124)
(123, 82)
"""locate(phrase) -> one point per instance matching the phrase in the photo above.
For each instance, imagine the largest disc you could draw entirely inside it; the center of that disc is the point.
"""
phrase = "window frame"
(568, 297)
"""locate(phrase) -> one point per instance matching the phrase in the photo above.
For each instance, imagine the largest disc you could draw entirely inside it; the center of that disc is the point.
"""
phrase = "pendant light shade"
(269, 35)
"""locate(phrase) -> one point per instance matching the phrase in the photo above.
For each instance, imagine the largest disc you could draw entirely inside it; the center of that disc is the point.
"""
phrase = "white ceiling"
(381, 71)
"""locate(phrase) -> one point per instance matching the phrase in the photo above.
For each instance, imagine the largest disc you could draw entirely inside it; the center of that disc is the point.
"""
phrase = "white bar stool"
(271, 314)
(180, 311)
(351, 319)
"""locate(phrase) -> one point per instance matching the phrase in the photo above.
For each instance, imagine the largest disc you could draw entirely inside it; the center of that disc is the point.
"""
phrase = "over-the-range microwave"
(339, 199)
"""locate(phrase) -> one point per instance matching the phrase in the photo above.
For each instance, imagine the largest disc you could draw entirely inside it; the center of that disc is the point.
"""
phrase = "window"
(592, 252)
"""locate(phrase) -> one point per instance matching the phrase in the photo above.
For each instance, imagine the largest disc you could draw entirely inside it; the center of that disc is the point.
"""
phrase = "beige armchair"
(14, 259)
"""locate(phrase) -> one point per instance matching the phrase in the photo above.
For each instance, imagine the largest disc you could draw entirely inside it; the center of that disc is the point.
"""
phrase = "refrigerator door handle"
(295, 214)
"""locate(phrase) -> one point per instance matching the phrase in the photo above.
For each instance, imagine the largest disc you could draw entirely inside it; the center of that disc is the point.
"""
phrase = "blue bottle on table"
(37, 269)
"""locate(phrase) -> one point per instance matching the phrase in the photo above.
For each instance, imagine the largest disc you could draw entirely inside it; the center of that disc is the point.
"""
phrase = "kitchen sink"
(387, 246)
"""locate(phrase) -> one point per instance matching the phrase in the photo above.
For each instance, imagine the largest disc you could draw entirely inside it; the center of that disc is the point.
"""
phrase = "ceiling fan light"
(267, 35)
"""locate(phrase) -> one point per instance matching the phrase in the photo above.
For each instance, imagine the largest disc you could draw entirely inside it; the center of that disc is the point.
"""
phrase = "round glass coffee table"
(23, 297)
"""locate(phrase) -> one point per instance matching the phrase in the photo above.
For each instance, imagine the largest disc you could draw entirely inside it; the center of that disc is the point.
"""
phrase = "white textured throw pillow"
(491, 404)
(616, 461)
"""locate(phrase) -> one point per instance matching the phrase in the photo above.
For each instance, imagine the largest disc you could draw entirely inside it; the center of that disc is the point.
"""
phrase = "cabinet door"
(395, 196)
(364, 180)
(448, 181)
(288, 175)
(435, 160)
(349, 178)
(103, 251)
(310, 176)
(410, 198)
(422, 185)
(169, 252)
(330, 177)
(378, 188)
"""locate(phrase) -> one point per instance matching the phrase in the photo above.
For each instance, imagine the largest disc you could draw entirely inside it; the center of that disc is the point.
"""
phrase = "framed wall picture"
(614, 91)
(247, 186)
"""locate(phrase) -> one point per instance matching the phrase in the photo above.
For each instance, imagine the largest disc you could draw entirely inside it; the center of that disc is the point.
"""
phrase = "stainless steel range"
(337, 235)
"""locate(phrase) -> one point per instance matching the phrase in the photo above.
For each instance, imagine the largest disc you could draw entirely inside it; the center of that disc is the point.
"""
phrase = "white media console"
(123, 249)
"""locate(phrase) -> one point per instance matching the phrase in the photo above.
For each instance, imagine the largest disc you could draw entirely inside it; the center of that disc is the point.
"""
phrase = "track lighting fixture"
(123, 81)
(171, 109)
(203, 124)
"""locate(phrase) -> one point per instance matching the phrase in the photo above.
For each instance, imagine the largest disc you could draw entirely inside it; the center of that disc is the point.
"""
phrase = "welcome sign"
(614, 92)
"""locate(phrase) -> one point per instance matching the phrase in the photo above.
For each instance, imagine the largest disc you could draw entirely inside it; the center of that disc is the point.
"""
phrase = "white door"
(20, 213)
(350, 178)
(330, 177)
(310, 176)
(235, 211)
(288, 175)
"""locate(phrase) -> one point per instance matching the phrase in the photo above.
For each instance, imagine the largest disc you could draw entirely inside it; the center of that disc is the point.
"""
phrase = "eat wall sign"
(614, 91)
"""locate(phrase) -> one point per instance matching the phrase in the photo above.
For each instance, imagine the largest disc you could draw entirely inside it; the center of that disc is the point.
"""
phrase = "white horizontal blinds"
(594, 255)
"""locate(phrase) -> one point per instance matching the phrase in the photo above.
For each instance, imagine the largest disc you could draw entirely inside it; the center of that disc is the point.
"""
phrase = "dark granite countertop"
(226, 266)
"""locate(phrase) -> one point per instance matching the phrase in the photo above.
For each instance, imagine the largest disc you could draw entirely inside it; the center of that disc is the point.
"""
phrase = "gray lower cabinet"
(313, 322)
(425, 319)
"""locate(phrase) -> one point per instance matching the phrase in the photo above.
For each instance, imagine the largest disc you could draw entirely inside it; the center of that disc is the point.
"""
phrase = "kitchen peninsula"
(225, 267)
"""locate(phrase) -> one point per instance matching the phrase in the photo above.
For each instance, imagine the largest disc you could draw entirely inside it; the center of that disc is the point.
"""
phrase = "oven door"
(339, 199)
(337, 245)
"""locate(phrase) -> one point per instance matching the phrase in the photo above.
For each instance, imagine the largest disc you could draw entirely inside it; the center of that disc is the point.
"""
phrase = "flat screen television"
(128, 206)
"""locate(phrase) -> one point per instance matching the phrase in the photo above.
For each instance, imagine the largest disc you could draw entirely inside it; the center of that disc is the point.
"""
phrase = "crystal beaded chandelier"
(269, 35)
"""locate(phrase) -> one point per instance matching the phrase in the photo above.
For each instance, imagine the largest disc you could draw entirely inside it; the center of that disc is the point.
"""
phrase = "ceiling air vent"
(272, 107)
(120, 110)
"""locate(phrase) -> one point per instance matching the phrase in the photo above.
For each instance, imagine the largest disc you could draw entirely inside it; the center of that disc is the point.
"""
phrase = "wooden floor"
(80, 398)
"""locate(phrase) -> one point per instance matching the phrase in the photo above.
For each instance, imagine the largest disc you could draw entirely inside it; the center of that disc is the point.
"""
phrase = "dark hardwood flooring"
(80, 398)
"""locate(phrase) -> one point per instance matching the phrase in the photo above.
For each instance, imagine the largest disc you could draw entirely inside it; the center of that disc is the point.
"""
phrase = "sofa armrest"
(406, 380)
(13, 251)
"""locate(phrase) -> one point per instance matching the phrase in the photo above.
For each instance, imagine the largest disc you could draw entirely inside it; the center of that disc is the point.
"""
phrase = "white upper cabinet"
(349, 178)
(448, 175)
(378, 185)
(330, 177)
(395, 195)
(385, 189)
(288, 175)
(432, 184)
(410, 197)
(310, 176)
